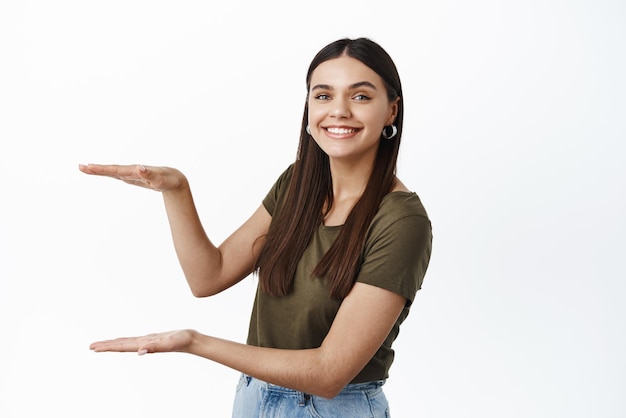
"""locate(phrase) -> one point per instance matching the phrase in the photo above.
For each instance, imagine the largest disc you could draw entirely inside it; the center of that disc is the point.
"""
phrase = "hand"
(173, 341)
(161, 179)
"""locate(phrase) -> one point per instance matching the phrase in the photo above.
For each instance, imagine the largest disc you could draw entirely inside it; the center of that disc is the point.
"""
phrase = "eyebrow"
(351, 87)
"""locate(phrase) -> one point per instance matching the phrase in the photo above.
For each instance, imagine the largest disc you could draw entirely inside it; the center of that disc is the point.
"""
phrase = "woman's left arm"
(364, 320)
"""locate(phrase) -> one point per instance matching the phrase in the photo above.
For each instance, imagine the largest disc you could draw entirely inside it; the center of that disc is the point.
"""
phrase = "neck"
(349, 180)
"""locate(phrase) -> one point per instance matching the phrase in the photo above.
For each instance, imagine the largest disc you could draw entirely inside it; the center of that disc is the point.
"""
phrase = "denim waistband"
(256, 398)
(375, 384)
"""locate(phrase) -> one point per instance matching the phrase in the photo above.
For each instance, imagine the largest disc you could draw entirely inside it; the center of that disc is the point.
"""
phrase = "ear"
(393, 106)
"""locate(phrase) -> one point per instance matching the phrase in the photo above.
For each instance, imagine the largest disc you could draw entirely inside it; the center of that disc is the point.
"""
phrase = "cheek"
(375, 120)
(315, 116)
(386, 118)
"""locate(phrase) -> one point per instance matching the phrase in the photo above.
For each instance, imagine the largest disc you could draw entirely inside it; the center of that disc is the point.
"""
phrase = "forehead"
(344, 71)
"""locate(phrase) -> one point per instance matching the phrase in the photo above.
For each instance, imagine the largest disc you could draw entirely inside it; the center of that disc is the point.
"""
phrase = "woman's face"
(348, 109)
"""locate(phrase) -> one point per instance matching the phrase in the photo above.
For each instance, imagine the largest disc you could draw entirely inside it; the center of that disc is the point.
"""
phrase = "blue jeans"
(255, 398)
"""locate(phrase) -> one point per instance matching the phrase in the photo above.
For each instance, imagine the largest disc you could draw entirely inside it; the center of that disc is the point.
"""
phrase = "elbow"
(330, 384)
(205, 285)
(201, 287)
(330, 389)
(199, 294)
(329, 393)
(202, 291)
(330, 374)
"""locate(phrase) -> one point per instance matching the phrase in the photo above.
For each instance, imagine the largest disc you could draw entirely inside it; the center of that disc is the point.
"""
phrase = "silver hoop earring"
(394, 132)
(308, 129)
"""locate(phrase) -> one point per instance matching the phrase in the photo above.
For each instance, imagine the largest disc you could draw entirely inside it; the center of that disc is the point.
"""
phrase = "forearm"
(311, 371)
(364, 320)
(199, 258)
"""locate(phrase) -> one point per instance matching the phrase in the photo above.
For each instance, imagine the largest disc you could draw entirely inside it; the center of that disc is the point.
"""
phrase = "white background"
(514, 139)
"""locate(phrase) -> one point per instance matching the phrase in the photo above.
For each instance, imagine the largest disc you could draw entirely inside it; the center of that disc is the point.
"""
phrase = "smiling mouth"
(341, 131)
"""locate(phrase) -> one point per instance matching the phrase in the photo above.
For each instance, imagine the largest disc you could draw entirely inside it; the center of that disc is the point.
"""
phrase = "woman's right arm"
(207, 268)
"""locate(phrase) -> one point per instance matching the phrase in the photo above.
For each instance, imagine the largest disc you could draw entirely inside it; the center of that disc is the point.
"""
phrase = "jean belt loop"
(303, 398)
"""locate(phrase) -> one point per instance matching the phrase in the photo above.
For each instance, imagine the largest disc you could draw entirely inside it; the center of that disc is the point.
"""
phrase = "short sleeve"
(278, 190)
(397, 253)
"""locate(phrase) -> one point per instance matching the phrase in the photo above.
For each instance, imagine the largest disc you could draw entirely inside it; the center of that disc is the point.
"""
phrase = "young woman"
(340, 246)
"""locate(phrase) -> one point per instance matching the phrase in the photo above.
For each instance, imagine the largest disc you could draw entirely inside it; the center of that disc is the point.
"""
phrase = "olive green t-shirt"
(395, 257)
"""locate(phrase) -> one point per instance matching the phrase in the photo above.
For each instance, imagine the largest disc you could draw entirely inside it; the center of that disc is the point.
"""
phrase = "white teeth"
(340, 131)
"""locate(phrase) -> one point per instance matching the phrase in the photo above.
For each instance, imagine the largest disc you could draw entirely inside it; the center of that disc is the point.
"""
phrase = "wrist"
(179, 187)
(196, 342)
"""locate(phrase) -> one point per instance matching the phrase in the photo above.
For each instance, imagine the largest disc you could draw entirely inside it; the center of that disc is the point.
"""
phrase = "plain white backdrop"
(514, 139)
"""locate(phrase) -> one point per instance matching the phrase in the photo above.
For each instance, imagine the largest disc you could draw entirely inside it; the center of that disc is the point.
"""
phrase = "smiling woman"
(340, 246)
(348, 109)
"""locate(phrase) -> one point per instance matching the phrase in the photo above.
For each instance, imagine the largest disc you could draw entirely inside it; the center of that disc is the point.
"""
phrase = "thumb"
(143, 351)
(147, 177)
(146, 349)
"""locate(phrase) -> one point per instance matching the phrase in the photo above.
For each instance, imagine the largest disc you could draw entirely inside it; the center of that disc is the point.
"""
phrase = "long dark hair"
(311, 189)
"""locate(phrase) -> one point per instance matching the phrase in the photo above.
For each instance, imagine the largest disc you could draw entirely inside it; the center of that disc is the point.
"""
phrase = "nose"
(340, 109)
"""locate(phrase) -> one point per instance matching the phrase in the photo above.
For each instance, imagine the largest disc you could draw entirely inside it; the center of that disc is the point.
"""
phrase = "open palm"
(164, 342)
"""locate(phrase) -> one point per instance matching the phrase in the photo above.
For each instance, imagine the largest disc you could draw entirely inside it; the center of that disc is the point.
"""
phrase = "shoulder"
(400, 204)
(401, 219)
(398, 245)
(274, 198)
(285, 177)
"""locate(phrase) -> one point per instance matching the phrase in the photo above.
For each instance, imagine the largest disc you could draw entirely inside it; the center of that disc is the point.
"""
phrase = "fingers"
(138, 175)
(113, 170)
(152, 343)
(156, 178)
(141, 345)
(119, 345)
